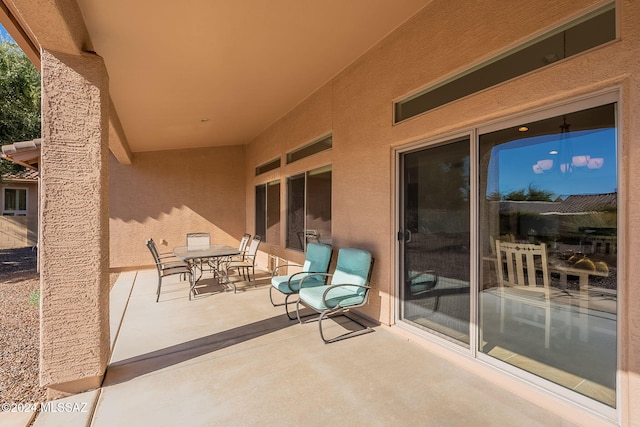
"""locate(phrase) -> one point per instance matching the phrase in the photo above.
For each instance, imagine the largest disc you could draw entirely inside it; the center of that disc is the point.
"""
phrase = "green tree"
(532, 193)
(19, 99)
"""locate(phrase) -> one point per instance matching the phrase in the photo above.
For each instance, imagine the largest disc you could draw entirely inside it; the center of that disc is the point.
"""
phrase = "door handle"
(404, 235)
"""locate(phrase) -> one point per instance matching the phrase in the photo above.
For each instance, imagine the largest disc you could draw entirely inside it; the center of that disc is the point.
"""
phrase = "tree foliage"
(532, 193)
(19, 99)
(529, 194)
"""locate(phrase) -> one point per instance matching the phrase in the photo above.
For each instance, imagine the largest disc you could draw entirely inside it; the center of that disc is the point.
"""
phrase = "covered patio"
(323, 120)
(233, 359)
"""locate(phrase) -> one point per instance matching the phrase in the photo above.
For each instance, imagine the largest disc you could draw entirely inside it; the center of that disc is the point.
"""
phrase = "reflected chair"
(349, 288)
(167, 265)
(246, 265)
(317, 260)
(523, 278)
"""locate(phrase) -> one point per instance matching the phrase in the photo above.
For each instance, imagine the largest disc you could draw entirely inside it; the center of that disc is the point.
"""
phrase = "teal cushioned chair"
(317, 261)
(349, 288)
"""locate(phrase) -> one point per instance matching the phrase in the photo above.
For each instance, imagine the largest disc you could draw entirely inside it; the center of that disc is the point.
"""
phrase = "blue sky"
(513, 163)
(4, 35)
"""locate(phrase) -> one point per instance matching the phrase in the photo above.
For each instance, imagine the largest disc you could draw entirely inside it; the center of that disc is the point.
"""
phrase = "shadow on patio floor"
(128, 369)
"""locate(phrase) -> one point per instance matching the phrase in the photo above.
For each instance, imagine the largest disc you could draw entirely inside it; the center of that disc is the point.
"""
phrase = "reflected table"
(195, 257)
(583, 297)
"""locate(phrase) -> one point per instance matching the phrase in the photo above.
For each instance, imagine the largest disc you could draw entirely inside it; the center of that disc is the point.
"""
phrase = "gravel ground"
(20, 327)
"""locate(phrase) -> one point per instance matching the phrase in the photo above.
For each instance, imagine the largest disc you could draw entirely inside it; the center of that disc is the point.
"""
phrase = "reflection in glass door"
(435, 242)
(548, 249)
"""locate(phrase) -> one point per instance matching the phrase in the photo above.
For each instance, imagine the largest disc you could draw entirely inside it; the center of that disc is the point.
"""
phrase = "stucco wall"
(74, 234)
(166, 194)
(442, 40)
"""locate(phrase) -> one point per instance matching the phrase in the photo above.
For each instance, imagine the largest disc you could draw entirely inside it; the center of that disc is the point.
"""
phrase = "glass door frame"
(610, 95)
(399, 226)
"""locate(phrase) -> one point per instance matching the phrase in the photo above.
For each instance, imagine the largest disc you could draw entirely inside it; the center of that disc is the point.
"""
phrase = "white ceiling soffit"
(218, 72)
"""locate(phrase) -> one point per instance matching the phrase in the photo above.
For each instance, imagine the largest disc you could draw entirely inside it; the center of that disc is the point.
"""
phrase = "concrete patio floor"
(233, 359)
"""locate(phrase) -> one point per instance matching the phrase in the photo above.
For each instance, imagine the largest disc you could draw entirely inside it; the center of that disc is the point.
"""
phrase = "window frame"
(264, 233)
(15, 212)
(537, 39)
(305, 174)
(575, 104)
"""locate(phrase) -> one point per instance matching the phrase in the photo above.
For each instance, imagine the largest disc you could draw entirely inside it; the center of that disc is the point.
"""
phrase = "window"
(318, 146)
(15, 202)
(585, 33)
(269, 166)
(268, 212)
(309, 208)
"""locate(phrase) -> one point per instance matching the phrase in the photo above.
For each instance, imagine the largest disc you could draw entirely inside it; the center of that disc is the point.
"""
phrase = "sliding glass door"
(508, 246)
(435, 239)
(551, 185)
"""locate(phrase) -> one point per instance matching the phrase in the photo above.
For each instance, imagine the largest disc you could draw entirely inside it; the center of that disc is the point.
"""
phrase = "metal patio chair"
(195, 241)
(198, 240)
(242, 249)
(349, 288)
(167, 265)
(317, 261)
(246, 265)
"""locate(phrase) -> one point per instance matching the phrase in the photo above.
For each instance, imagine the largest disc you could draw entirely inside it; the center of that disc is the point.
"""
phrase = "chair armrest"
(314, 274)
(332, 287)
(307, 273)
(273, 273)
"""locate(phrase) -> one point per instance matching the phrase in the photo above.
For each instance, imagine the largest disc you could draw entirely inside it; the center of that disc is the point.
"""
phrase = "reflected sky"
(582, 162)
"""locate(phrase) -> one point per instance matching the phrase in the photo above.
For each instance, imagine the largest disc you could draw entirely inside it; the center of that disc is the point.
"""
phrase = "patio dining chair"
(195, 241)
(242, 249)
(246, 265)
(198, 240)
(523, 276)
(167, 265)
(349, 288)
(316, 261)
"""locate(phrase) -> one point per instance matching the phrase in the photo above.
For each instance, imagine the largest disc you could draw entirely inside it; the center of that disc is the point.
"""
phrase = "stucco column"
(74, 240)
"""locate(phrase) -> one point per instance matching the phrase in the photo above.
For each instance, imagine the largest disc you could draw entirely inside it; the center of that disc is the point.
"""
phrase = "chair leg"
(286, 308)
(325, 314)
(298, 311)
(158, 290)
(271, 297)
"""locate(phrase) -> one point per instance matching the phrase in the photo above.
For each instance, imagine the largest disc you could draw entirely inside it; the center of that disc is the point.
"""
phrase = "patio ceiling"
(213, 73)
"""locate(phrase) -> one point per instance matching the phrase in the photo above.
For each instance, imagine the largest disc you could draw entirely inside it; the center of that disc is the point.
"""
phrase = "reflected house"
(388, 133)
(591, 216)
(586, 222)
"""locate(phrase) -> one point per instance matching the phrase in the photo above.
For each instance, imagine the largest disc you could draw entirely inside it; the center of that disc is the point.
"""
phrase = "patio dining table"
(198, 255)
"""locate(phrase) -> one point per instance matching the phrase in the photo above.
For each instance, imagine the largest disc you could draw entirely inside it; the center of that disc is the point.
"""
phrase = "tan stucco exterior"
(357, 107)
(164, 194)
(74, 234)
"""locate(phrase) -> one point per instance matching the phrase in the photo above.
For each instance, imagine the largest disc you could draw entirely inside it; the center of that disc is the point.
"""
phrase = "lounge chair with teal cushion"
(349, 288)
(317, 261)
